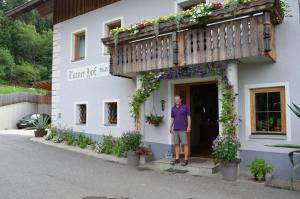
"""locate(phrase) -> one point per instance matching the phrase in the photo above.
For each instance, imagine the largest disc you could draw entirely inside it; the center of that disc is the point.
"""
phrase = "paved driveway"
(31, 170)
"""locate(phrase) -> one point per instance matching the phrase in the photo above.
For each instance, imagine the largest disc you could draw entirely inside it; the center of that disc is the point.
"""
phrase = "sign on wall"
(88, 72)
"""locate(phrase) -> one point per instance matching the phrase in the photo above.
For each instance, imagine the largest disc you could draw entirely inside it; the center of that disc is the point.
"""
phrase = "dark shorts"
(179, 137)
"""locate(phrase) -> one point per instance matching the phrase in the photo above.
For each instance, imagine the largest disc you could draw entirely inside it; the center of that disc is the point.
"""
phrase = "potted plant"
(259, 168)
(154, 119)
(132, 142)
(146, 155)
(225, 150)
(40, 125)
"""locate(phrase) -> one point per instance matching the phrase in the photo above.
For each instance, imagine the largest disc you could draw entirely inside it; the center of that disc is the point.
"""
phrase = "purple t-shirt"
(180, 114)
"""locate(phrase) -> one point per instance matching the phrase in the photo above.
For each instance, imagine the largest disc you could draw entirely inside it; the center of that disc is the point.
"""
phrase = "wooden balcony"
(246, 34)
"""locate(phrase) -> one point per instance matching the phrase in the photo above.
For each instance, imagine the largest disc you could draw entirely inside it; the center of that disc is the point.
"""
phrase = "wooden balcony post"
(175, 48)
(267, 32)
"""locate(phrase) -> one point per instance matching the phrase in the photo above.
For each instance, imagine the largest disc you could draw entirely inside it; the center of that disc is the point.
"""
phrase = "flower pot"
(229, 170)
(133, 159)
(145, 158)
(40, 133)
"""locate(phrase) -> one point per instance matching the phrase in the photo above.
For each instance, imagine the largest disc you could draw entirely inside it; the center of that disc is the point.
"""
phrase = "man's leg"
(177, 151)
(184, 140)
(186, 152)
(176, 141)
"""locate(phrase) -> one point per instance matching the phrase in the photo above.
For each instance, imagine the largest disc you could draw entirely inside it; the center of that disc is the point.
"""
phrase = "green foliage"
(26, 42)
(53, 132)
(41, 122)
(7, 65)
(155, 120)
(259, 168)
(58, 138)
(226, 148)
(285, 8)
(69, 137)
(149, 83)
(17, 89)
(118, 149)
(132, 141)
(107, 144)
(83, 141)
(295, 109)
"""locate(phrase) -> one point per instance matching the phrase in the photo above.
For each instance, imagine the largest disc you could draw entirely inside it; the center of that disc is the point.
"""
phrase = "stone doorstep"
(206, 168)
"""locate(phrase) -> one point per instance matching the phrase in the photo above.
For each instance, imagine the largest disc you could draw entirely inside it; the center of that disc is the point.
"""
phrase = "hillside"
(25, 47)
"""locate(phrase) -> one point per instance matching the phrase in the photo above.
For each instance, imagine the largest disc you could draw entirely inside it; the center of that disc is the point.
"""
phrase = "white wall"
(10, 114)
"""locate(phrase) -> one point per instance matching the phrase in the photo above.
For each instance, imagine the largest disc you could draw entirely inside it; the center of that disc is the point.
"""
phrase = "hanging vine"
(150, 82)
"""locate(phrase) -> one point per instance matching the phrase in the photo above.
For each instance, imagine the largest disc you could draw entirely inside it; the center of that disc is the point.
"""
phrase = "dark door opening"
(205, 114)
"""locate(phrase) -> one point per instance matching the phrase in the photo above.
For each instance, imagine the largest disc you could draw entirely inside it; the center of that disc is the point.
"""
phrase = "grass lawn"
(17, 89)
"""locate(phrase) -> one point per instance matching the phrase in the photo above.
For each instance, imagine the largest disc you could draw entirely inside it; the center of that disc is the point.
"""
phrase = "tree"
(7, 65)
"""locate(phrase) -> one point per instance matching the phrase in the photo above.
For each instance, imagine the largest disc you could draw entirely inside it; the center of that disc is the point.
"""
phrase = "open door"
(183, 90)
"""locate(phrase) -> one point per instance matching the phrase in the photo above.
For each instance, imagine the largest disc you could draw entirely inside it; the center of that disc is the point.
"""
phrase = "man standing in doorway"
(180, 126)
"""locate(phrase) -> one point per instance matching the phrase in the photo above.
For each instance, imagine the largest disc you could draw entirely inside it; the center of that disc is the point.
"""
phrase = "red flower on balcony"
(217, 5)
(141, 26)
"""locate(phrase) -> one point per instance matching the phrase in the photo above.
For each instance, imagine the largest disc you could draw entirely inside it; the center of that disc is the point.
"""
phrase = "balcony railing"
(246, 34)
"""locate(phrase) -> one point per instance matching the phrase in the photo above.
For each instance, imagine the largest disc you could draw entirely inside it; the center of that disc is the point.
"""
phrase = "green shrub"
(58, 138)
(118, 149)
(69, 137)
(107, 144)
(259, 168)
(131, 141)
(83, 141)
(52, 134)
(41, 123)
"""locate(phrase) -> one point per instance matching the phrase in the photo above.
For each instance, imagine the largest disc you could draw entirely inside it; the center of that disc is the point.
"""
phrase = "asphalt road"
(31, 170)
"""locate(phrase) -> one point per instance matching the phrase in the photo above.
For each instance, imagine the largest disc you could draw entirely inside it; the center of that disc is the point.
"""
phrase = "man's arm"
(189, 123)
(172, 125)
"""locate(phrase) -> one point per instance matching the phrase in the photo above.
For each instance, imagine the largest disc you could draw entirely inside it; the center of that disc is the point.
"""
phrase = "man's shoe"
(176, 161)
(186, 162)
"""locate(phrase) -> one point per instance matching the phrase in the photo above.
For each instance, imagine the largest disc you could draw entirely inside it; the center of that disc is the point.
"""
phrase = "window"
(109, 26)
(111, 113)
(268, 114)
(187, 4)
(79, 46)
(81, 112)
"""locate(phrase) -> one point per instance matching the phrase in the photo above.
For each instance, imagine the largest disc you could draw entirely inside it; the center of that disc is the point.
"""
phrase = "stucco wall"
(10, 114)
(286, 71)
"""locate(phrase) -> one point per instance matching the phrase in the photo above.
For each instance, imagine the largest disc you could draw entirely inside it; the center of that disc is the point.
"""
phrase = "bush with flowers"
(225, 148)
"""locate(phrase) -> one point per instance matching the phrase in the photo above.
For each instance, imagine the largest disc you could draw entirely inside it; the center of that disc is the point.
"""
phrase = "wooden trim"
(76, 37)
(254, 91)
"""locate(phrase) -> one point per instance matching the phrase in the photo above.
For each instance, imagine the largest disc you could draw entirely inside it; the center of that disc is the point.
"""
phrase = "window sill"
(269, 137)
(78, 60)
(80, 124)
(111, 125)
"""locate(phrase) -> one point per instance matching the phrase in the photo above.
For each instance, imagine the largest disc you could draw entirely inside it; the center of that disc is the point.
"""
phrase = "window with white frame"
(81, 114)
(268, 111)
(79, 45)
(182, 5)
(111, 113)
(108, 27)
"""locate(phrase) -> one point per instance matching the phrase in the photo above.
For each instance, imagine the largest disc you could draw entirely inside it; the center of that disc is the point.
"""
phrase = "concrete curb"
(88, 152)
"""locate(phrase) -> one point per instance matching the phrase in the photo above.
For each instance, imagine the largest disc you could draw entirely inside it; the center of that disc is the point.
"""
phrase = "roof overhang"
(44, 7)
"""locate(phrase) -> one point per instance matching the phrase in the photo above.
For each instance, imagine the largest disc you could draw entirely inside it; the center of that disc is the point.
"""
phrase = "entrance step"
(196, 166)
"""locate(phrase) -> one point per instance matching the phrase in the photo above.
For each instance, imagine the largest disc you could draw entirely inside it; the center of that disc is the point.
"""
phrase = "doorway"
(202, 99)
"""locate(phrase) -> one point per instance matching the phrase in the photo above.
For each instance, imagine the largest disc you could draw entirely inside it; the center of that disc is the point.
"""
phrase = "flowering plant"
(226, 148)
